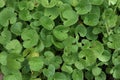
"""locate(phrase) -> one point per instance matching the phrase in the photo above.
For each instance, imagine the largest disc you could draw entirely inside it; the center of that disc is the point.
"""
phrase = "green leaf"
(90, 35)
(14, 61)
(25, 15)
(56, 62)
(97, 47)
(116, 72)
(79, 65)
(46, 37)
(57, 44)
(102, 76)
(96, 2)
(3, 58)
(92, 18)
(96, 71)
(5, 15)
(89, 75)
(81, 29)
(116, 57)
(83, 7)
(113, 2)
(67, 68)
(60, 76)
(77, 75)
(109, 17)
(88, 56)
(16, 28)
(49, 72)
(5, 36)
(96, 30)
(2, 3)
(114, 41)
(47, 23)
(86, 44)
(14, 46)
(53, 13)
(48, 3)
(37, 14)
(11, 77)
(70, 58)
(48, 57)
(23, 5)
(14, 75)
(30, 37)
(106, 55)
(35, 63)
(60, 32)
(69, 17)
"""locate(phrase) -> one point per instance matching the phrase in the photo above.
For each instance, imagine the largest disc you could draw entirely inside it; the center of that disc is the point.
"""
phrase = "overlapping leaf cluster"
(60, 39)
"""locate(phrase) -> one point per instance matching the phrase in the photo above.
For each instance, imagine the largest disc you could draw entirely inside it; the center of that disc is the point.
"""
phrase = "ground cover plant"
(60, 39)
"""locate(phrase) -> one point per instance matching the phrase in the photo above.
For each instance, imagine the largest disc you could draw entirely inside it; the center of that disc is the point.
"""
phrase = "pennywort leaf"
(5, 15)
(88, 57)
(60, 32)
(48, 3)
(83, 7)
(16, 28)
(3, 58)
(77, 75)
(2, 3)
(14, 46)
(25, 15)
(47, 23)
(30, 38)
(36, 63)
(69, 17)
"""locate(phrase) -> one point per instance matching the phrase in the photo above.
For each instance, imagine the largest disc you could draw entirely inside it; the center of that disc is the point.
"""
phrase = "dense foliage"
(60, 39)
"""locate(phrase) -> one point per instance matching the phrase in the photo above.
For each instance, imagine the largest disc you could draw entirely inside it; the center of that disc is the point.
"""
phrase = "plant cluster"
(60, 39)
